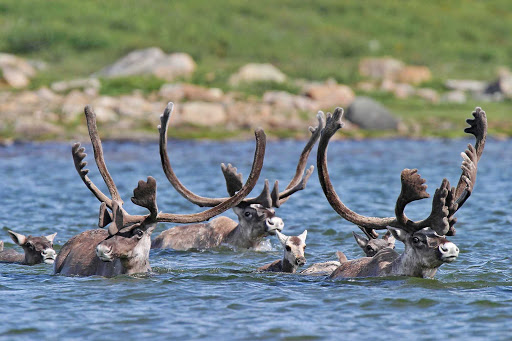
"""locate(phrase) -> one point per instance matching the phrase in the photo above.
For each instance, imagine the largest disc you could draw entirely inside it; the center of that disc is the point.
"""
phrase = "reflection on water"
(216, 294)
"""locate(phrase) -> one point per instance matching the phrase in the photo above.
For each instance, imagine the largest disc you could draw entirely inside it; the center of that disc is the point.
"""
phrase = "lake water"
(216, 295)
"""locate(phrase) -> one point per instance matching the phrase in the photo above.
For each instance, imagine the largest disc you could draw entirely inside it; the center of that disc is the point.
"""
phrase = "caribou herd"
(122, 243)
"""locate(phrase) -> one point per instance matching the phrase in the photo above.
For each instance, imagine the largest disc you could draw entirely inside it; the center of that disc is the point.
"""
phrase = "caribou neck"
(288, 267)
(408, 264)
(139, 262)
(241, 238)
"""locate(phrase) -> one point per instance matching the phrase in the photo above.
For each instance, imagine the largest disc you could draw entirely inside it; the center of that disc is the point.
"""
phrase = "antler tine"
(300, 179)
(369, 233)
(265, 197)
(413, 188)
(333, 124)
(233, 179)
(257, 165)
(478, 127)
(98, 153)
(145, 195)
(173, 179)
(78, 156)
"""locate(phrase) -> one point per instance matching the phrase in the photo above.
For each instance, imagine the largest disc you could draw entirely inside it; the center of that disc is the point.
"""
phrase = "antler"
(333, 124)
(233, 178)
(145, 193)
(446, 200)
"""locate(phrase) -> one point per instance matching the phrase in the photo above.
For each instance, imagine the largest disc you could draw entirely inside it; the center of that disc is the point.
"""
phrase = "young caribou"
(36, 249)
(124, 247)
(256, 216)
(426, 247)
(293, 257)
(370, 245)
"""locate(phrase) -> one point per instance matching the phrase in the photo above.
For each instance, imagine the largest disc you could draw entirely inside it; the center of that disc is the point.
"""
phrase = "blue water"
(216, 295)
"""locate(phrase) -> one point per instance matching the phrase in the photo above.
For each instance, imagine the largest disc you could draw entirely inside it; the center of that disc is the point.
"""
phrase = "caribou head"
(36, 249)
(426, 247)
(256, 215)
(124, 246)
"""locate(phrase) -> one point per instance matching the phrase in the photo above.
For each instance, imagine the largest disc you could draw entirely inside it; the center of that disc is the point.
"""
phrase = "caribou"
(124, 247)
(293, 256)
(36, 249)
(256, 216)
(426, 246)
(370, 245)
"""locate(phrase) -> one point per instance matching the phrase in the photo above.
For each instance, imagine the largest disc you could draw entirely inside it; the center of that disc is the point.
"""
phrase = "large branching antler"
(446, 200)
(231, 175)
(145, 193)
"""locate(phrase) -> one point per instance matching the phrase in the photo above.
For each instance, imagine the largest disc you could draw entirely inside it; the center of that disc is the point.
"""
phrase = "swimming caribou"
(426, 247)
(36, 250)
(124, 247)
(293, 256)
(256, 216)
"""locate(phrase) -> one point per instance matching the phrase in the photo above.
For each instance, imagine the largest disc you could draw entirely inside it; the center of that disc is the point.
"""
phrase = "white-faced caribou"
(124, 247)
(256, 216)
(293, 256)
(426, 247)
(35, 249)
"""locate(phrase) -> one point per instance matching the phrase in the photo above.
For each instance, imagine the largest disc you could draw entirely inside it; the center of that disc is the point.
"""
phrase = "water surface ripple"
(216, 295)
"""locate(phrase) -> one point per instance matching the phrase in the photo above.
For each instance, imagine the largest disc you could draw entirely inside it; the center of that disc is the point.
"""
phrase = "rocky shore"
(55, 111)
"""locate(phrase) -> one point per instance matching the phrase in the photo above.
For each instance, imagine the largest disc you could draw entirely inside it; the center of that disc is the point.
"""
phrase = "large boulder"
(369, 114)
(330, 94)
(380, 68)
(257, 73)
(151, 61)
(15, 71)
(412, 74)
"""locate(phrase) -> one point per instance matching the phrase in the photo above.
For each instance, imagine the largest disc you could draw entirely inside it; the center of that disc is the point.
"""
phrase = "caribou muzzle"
(300, 261)
(274, 224)
(104, 253)
(49, 256)
(449, 252)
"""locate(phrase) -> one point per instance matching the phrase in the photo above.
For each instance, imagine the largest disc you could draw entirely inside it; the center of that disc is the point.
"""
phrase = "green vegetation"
(310, 39)
(313, 39)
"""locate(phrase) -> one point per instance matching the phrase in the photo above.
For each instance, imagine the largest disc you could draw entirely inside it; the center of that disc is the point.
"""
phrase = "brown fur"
(78, 256)
(36, 250)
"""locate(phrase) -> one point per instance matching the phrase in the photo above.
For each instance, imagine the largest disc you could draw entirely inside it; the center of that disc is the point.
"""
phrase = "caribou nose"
(274, 224)
(104, 252)
(449, 251)
(48, 256)
(300, 261)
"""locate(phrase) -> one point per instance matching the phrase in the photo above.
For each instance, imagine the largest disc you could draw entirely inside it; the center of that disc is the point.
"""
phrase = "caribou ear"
(341, 257)
(388, 237)
(399, 234)
(282, 238)
(361, 241)
(51, 237)
(17, 237)
(303, 236)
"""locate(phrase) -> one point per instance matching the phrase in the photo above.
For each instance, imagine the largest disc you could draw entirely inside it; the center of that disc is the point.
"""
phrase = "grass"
(309, 39)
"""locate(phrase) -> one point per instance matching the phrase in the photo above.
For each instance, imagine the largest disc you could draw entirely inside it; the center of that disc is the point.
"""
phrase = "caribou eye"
(368, 247)
(247, 214)
(139, 233)
(288, 248)
(415, 240)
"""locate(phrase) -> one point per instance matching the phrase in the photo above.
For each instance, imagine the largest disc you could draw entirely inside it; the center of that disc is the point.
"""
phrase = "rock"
(412, 74)
(285, 100)
(465, 85)
(330, 95)
(202, 113)
(172, 92)
(16, 71)
(173, 66)
(74, 104)
(151, 61)
(257, 73)
(248, 115)
(428, 94)
(403, 90)
(380, 68)
(502, 85)
(31, 129)
(369, 114)
(198, 93)
(83, 83)
(455, 96)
